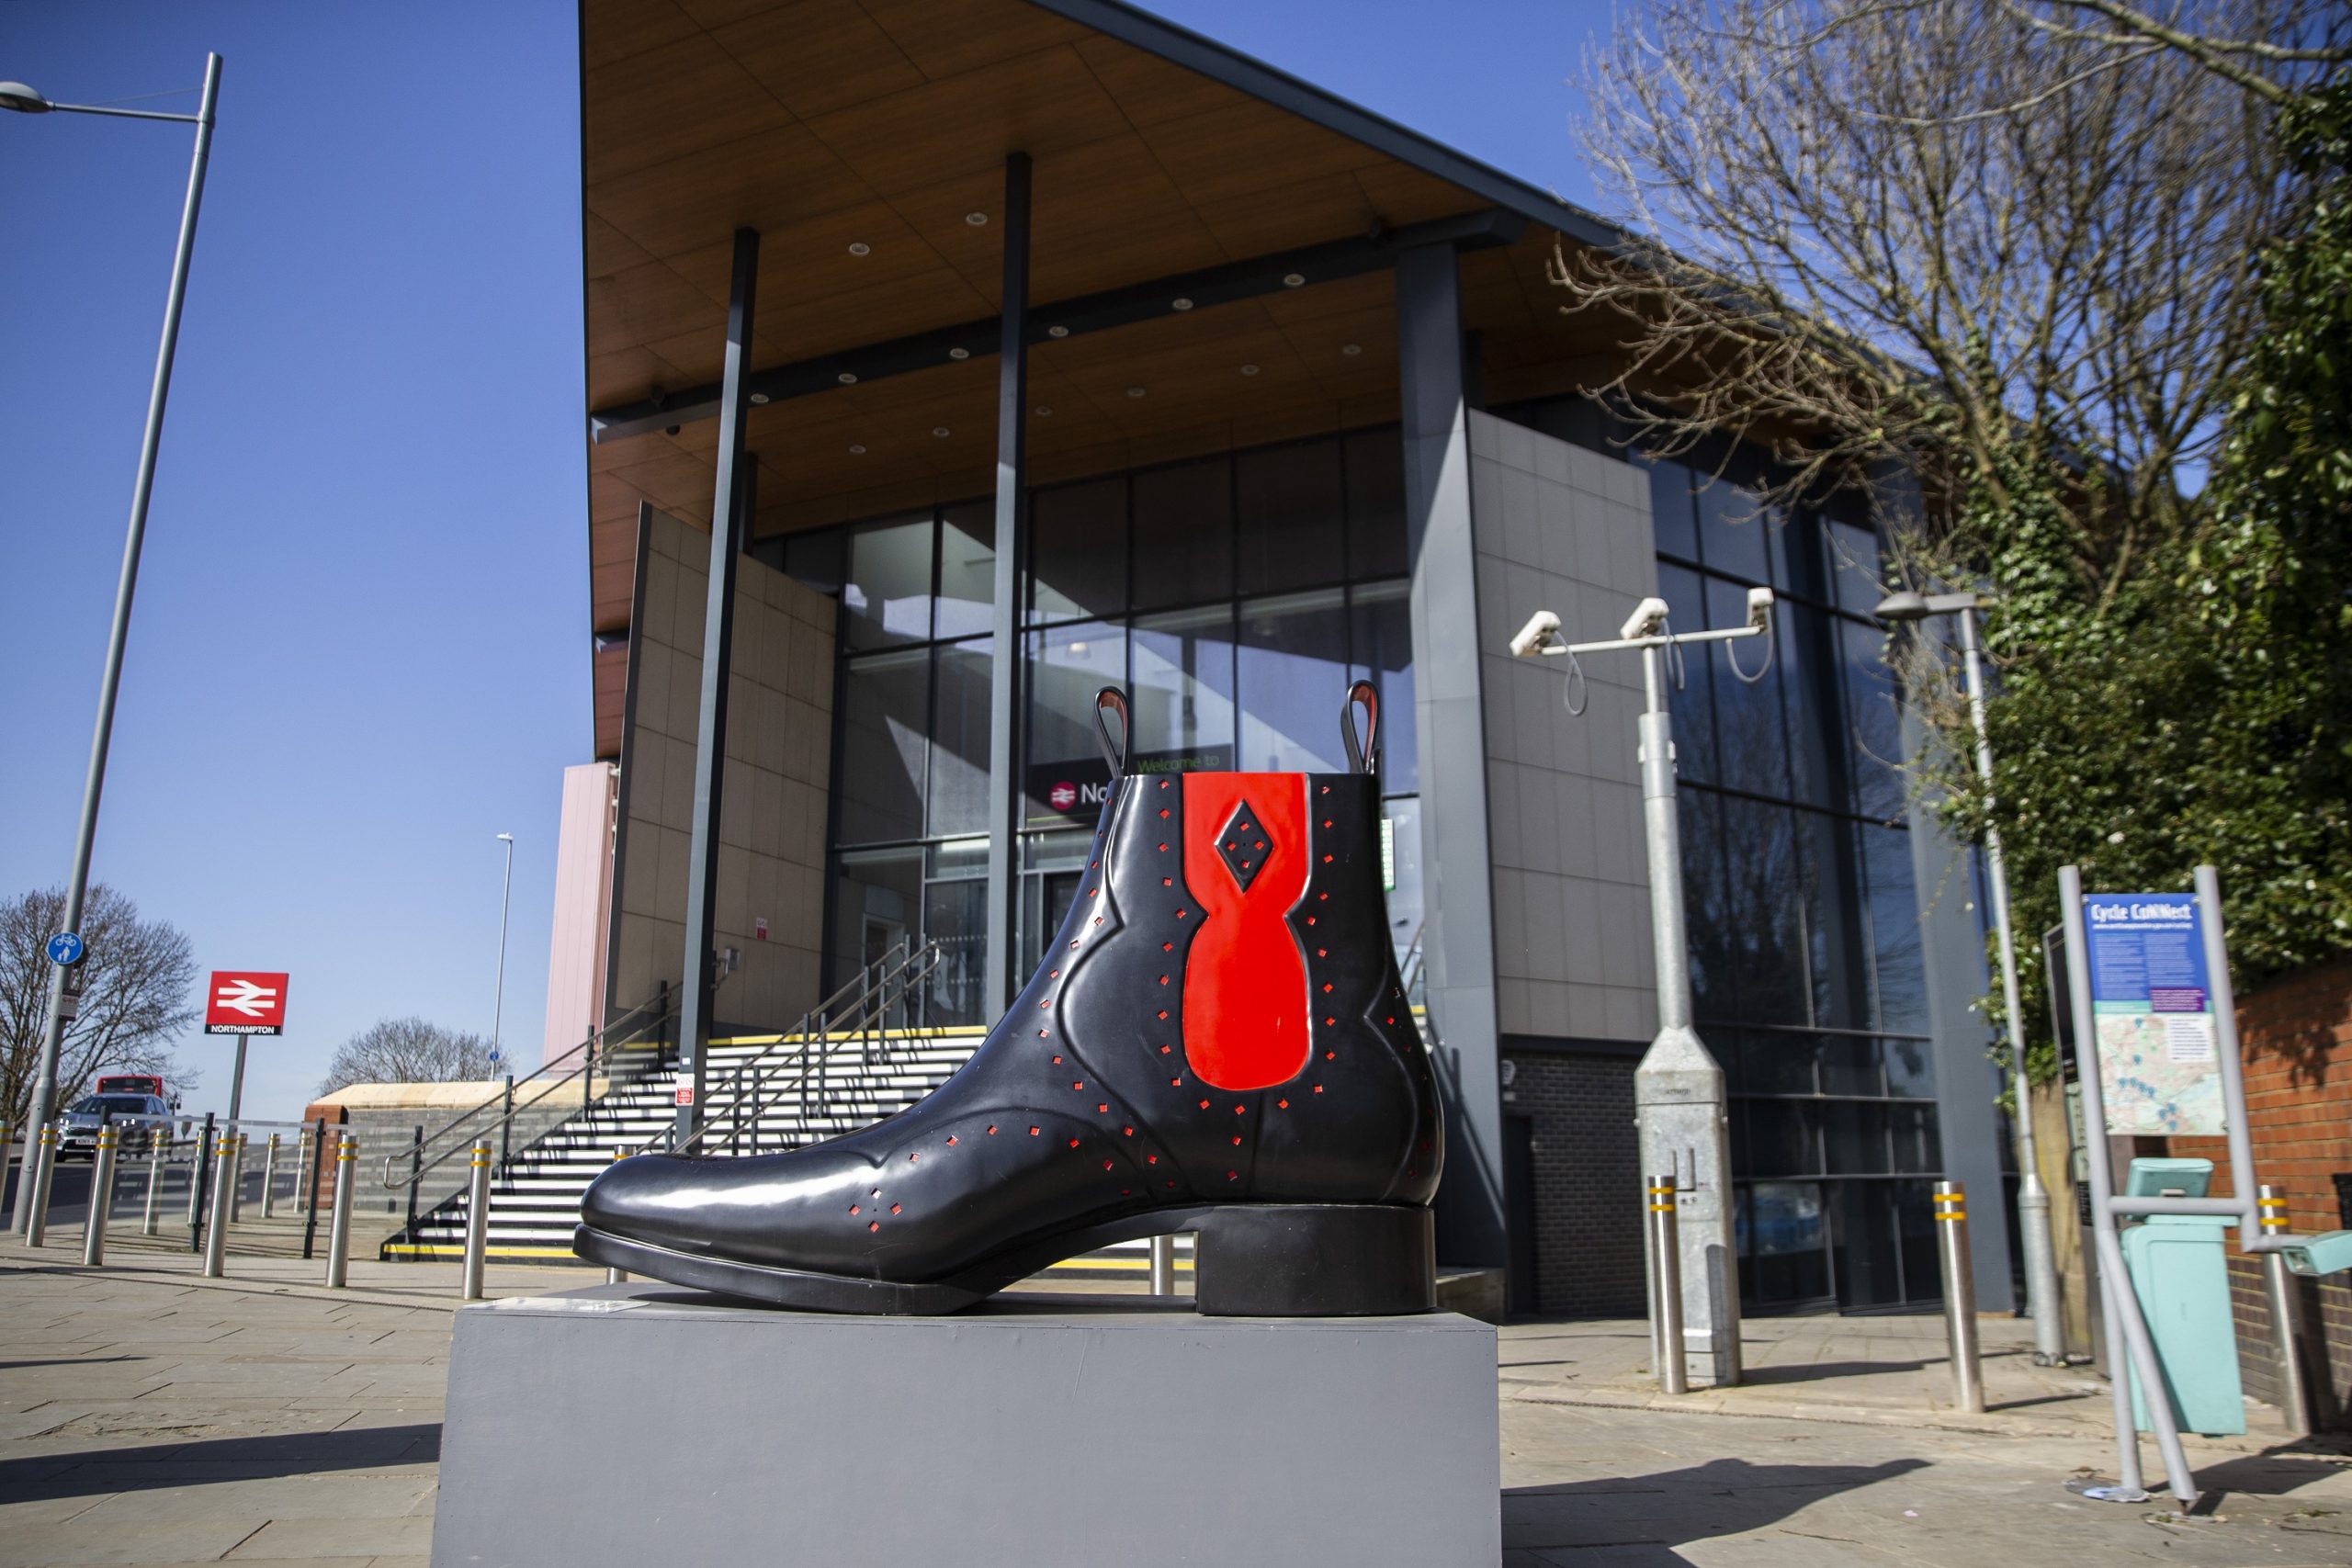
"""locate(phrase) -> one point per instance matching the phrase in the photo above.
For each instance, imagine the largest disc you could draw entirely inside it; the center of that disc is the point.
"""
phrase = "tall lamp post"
(2033, 1198)
(1679, 1105)
(16, 95)
(506, 891)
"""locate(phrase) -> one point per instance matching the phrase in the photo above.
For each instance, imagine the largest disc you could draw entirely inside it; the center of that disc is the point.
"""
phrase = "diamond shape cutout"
(1243, 845)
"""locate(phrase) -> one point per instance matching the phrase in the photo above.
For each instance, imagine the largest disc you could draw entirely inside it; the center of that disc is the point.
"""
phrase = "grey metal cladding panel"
(1554, 529)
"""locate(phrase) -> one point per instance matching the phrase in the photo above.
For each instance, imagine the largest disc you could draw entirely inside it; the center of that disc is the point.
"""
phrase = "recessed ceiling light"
(976, 220)
(847, 378)
(759, 400)
(1249, 370)
(1045, 411)
(939, 430)
(1057, 331)
(1294, 279)
(1351, 348)
(860, 248)
(959, 353)
(1134, 392)
(856, 451)
(1181, 303)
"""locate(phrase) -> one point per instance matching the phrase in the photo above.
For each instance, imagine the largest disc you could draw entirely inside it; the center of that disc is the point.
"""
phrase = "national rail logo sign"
(244, 1001)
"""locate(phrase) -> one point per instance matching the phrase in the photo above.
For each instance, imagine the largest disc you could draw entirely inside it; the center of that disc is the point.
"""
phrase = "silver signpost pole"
(2130, 1351)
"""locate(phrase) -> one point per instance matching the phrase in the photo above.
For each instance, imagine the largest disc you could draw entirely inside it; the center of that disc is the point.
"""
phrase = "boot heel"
(1315, 1260)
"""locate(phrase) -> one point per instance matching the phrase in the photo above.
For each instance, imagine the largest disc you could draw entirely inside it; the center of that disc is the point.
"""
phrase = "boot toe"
(648, 1198)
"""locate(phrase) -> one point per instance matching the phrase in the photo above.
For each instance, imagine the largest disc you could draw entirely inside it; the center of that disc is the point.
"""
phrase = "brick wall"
(2295, 1037)
(1588, 1190)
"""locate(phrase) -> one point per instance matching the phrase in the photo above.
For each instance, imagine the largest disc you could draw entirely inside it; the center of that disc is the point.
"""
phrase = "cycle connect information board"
(2158, 1069)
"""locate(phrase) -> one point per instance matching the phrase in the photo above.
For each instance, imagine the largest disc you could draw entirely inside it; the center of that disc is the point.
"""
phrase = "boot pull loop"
(1108, 700)
(1363, 757)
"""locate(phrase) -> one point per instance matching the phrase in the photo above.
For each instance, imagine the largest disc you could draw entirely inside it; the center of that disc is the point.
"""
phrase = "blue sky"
(360, 646)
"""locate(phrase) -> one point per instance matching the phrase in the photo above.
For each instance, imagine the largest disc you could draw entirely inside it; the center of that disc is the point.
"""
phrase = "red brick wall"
(2295, 1038)
(322, 1173)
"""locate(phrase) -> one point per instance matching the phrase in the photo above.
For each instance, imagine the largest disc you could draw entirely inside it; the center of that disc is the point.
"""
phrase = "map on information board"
(2159, 1070)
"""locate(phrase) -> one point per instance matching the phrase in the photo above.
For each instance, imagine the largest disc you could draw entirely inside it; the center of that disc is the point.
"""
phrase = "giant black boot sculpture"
(1216, 1041)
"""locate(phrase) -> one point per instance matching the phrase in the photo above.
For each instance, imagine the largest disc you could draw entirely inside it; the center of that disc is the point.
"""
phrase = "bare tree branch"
(140, 992)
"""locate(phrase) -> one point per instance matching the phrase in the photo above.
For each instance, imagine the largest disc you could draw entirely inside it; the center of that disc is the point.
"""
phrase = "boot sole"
(1248, 1261)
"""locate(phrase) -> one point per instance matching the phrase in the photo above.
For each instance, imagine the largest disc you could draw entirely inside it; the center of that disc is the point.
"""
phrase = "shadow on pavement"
(1636, 1521)
(100, 1472)
(1811, 1371)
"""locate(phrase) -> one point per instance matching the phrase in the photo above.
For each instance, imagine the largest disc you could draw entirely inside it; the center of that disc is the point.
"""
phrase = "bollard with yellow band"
(1668, 1354)
(1960, 1297)
(224, 1198)
(2286, 1316)
(94, 1229)
(477, 1220)
(44, 1173)
(346, 1177)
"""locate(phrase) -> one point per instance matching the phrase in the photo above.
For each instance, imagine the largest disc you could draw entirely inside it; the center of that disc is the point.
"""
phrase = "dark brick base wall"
(1587, 1217)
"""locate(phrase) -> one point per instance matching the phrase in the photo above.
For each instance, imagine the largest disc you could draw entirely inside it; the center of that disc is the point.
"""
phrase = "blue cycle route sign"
(2152, 1010)
(65, 950)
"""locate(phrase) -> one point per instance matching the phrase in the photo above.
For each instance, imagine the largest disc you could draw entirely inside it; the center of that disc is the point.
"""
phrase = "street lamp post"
(16, 95)
(506, 892)
(1679, 1097)
(2033, 1197)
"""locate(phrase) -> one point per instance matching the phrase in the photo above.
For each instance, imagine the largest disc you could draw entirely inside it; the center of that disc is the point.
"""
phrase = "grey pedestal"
(646, 1425)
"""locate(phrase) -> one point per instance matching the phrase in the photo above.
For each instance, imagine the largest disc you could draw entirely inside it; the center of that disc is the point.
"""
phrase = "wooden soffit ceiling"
(885, 125)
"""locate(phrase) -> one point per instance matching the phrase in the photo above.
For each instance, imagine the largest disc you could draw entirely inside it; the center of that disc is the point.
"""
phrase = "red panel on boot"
(1246, 863)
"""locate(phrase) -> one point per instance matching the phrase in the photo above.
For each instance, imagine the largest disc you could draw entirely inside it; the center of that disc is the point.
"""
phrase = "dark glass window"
(1849, 1065)
(1077, 545)
(1776, 1064)
(1294, 674)
(1765, 883)
(1182, 696)
(1707, 910)
(1838, 949)
(1183, 534)
(1382, 639)
(1895, 931)
(1854, 1134)
(1289, 516)
(1874, 728)
(1864, 1249)
(1918, 1147)
(885, 710)
(1854, 568)
(1786, 1237)
(1751, 743)
(1785, 1138)
(959, 740)
(886, 598)
(1910, 1069)
(966, 569)
(814, 559)
(1067, 664)
(1376, 460)
(1673, 508)
(1733, 530)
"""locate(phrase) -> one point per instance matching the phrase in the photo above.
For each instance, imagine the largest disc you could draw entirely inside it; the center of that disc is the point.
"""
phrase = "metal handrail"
(855, 1014)
(579, 1064)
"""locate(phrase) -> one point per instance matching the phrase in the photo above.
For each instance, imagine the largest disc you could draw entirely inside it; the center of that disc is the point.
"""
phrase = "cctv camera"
(1760, 608)
(1541, 628)
(1648, 619)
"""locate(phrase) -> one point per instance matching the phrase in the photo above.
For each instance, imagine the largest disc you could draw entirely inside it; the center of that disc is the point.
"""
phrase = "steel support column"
(718, 644)
(1005, 640)
(1457, 871)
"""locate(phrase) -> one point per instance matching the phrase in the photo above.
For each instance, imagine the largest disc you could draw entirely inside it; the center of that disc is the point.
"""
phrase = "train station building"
(1074, 348)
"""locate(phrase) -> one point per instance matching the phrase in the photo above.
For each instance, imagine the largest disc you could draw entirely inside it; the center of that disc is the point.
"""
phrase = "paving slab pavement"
(150, 1417)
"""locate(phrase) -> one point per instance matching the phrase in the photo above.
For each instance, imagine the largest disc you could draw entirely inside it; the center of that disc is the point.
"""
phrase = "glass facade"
(1235, 597)
(1807, 975)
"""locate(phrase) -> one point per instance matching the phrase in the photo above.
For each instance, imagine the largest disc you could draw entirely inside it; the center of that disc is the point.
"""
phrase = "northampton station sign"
(244, 1001)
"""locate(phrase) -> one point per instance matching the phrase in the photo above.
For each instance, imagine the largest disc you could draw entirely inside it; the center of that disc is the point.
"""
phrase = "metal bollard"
(346, 1177)
(199, 1166)
(1665, 1287)
(269, 1179)
(236, 1175)
(44, 1172)
(1960, 1298)
(1163, 1266)
(94, 1229)
(2286, 1317)
(616, 1276)
(477, 1220)
(224, 1198)
(157, 1142)
(305, 1161)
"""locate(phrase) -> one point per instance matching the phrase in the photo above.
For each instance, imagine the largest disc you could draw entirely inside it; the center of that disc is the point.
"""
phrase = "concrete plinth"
(641, 1423)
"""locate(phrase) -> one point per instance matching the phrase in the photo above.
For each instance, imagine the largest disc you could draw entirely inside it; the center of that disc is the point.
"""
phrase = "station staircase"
(854, 1060)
